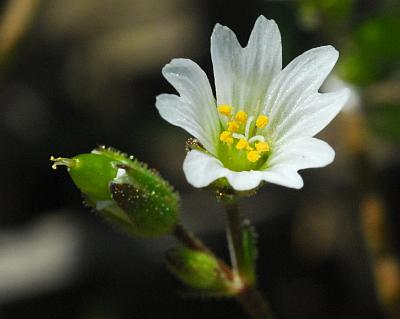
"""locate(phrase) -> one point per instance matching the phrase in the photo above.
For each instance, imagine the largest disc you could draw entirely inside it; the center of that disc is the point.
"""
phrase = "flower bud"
(124, 191)
(199, 270)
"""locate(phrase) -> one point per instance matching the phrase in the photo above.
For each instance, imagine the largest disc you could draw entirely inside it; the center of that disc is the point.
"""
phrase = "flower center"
(241, 148)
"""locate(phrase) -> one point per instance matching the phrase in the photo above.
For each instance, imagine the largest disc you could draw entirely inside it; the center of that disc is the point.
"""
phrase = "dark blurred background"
(78, 73)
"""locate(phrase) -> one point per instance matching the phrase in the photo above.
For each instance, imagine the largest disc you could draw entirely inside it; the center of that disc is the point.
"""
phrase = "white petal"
(311, 117)
(302, 153)
(245, 180)
(242, 75)
(202, 169)
(295, 84)
(335, 83)
(289, 158)
(194, 110)
(284, 176)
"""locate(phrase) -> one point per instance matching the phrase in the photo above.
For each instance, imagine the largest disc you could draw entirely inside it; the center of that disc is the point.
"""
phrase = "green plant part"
(199, 271)
(249, 241)
(125, 191)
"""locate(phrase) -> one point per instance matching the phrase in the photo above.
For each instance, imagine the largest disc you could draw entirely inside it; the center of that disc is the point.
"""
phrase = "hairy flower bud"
(124, 191)
(199, 270)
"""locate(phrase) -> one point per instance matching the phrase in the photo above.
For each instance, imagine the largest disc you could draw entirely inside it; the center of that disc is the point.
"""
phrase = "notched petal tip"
(221, 31)
(266, 30)
(172, 66)
(263, 20)
(328, 51)
(218, 28)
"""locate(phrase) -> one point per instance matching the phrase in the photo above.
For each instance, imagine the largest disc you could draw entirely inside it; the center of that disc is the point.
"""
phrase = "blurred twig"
(376, 231)
(15, 19)
(384, 262)
(387, 91)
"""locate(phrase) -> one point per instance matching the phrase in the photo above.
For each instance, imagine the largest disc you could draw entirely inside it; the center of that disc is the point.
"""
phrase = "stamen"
(225, 109)
(225, 137)
(238, 136)
(241, 117)
(262, 121)
(262, 147)
(248, 124)
(242, 144)
(253, 156)
(257, 138)
(233, 126)
(62, 161)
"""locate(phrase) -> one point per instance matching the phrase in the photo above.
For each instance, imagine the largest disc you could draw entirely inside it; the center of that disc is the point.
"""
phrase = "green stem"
(188, 239)
(235, 235)
(250, 298)
(254, 303)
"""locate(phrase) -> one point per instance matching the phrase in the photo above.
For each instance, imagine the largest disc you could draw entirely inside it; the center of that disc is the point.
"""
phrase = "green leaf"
(373, 49)
(384, 121)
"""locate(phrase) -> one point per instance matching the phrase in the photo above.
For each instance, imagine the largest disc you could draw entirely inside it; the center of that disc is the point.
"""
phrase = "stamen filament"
(238, 136)
(248, 124)
(257, 138)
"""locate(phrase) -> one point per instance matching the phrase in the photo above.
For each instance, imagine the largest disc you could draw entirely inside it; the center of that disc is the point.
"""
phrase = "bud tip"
(62, 161)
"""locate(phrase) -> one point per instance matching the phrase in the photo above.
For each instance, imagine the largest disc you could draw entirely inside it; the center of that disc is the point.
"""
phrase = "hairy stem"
(249, 297)
(234, 236)
(188, 239)
(254, 303)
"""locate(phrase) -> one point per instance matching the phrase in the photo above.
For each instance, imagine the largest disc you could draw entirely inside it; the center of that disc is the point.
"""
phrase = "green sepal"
(226, 193)
(250, 253)
(151, 213)
(92, 173)
(124, 191)
(199, 271)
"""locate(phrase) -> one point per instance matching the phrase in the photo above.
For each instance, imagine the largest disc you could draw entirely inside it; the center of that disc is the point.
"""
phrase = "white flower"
(261, 126)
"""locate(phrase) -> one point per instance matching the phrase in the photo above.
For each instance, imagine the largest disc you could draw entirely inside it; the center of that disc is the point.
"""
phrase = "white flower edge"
(296, 109)
(202, 169)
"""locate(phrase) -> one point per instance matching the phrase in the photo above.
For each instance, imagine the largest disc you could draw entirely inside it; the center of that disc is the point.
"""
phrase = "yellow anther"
(226, 137)
(233, 126)
(242, 144)
(241, 117)
(261, 121)
(225, 109)
(253, 156)
(262, 147)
